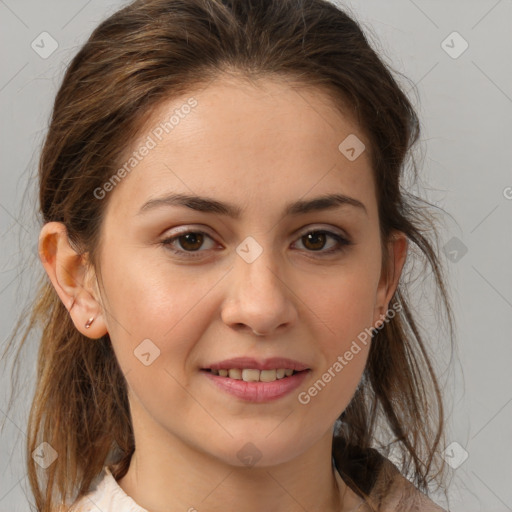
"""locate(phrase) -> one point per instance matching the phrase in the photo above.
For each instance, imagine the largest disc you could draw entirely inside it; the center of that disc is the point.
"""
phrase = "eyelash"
(343, 243)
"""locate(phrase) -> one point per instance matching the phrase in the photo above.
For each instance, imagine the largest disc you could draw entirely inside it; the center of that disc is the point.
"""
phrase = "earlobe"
(68, 273)
(397, 255)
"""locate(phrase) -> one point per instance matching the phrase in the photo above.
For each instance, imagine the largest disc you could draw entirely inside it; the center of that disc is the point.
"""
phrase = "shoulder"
(106, 496)
(374, 475)
(398, 494)
(97, 498)
(408, 497)
(377, 477)
(79, 505)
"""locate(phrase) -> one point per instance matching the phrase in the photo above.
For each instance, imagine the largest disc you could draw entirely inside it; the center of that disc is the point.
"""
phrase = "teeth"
(268, 375)
(250, 375)
(253, 375)
(235, 373)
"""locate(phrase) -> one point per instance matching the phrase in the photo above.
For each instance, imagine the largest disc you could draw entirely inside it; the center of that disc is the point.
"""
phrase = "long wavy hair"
(141, 56)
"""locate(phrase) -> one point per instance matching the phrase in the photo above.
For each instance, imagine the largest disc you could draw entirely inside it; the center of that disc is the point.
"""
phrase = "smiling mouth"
(254, 375)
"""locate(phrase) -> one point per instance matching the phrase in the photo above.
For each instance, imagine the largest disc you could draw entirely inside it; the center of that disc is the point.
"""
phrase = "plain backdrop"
(458, 55)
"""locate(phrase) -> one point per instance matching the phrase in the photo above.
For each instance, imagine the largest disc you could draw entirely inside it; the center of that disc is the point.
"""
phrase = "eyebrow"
(208, 205)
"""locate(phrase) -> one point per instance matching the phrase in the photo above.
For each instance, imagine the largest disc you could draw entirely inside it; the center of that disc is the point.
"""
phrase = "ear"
(73, 279)
(390, 275)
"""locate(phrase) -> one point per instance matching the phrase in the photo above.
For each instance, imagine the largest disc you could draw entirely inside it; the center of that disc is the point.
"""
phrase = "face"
(186, 287)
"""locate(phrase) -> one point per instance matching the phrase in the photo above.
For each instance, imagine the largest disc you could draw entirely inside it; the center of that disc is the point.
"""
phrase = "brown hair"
(149, 52)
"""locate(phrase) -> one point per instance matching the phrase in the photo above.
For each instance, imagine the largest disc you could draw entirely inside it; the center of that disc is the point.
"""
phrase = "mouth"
(253, 374)
(257, 380)
(256, 386)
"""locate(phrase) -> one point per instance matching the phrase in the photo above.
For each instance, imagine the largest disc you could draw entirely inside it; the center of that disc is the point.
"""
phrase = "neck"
(180, 478)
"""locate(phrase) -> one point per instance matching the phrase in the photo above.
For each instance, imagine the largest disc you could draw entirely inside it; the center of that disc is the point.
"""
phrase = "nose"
(259, 298)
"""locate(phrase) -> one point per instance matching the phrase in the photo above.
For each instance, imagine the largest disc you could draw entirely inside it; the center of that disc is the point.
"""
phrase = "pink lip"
(273, 363)
(258, 391)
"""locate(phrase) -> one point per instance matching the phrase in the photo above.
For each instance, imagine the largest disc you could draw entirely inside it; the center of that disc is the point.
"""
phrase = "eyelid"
(335, 230)
(183, 230)
(342, 239)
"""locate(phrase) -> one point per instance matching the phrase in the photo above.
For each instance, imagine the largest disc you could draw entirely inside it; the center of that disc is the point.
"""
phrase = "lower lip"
(258, 391)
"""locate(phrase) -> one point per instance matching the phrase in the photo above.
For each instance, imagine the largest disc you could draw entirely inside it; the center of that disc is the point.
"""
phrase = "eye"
(190, 241)
(315, 240)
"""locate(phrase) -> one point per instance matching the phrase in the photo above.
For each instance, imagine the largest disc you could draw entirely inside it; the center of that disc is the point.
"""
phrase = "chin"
(259, 452)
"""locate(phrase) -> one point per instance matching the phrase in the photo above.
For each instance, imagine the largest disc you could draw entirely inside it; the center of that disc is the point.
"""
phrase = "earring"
(89, 322)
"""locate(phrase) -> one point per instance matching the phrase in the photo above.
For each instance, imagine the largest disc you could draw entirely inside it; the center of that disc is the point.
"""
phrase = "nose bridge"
(259, 295)
(258, 270)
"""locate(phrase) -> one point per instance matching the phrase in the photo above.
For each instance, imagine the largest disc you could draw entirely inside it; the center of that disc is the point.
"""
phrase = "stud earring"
(89, 322)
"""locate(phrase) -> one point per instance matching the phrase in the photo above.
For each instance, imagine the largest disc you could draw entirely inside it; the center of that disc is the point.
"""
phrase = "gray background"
(465, 106)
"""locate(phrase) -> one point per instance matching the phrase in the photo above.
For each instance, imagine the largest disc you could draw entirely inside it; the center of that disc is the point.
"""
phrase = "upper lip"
(258, 364)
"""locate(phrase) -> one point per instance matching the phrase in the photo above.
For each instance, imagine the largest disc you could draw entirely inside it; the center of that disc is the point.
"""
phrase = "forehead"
(259, 144)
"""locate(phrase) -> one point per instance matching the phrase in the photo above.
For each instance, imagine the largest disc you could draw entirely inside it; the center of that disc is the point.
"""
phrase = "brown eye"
(192, 241)
(315, 241)
(186, 243)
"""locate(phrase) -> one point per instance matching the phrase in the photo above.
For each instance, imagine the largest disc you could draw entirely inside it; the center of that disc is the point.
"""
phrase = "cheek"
(345, 308)
(145, 294)
(342, 307)
(152, 300)
(155, 319)
(344, 302)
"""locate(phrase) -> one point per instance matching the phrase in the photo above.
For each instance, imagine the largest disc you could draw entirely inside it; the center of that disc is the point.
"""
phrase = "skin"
(259, 146)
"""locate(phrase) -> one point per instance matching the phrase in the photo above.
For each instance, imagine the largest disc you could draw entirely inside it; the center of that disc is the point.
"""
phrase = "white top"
(107, 496)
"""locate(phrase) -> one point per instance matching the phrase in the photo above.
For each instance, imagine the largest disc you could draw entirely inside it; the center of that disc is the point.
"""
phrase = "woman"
(225, 319)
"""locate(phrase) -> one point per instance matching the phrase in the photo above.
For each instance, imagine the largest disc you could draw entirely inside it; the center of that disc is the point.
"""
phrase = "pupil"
(193, 241)
(314, 236)
(196, 238)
